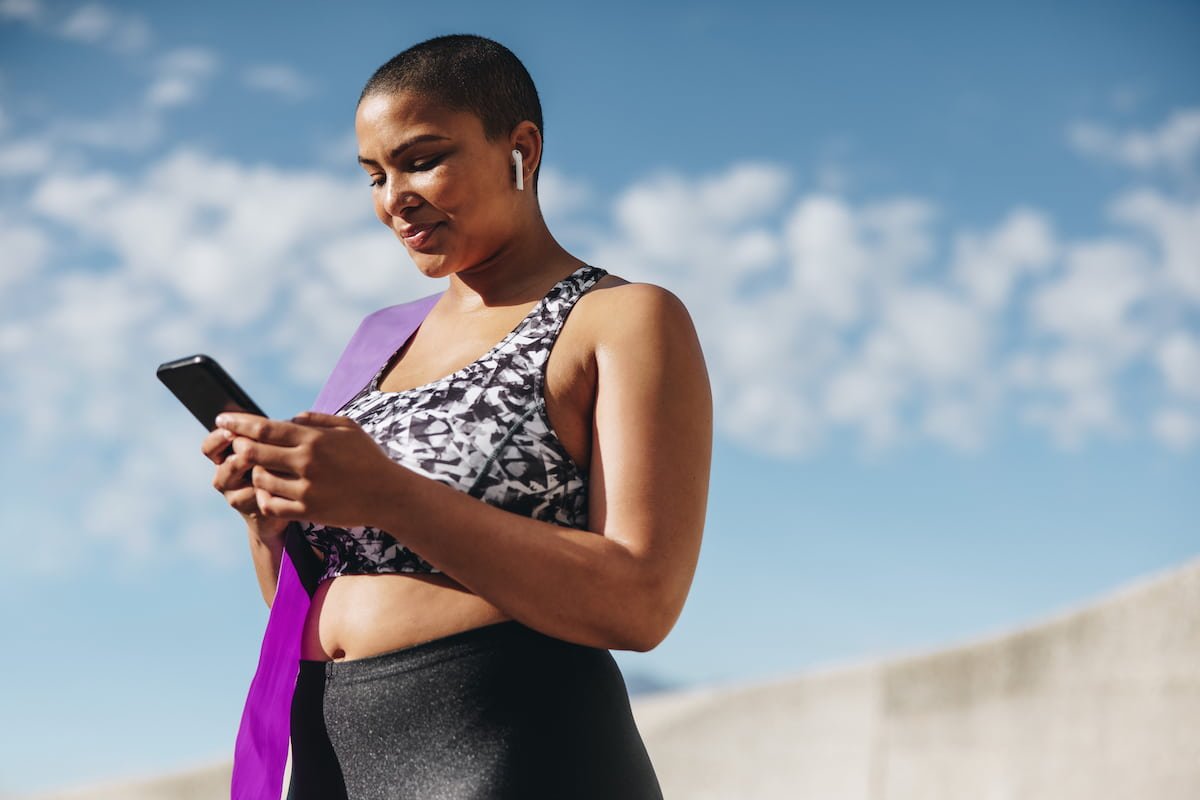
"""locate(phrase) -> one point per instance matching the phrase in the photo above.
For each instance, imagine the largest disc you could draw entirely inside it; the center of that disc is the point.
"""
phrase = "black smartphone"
(205, 388)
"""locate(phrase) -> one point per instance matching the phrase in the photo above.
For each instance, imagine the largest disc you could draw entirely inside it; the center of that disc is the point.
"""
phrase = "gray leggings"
(495, 712)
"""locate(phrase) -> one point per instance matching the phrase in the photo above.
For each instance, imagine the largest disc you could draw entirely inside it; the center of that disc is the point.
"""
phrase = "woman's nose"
(397, 197)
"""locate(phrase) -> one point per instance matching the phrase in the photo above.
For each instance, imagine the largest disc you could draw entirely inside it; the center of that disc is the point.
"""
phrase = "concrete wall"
(202, 783)
(1102, 704)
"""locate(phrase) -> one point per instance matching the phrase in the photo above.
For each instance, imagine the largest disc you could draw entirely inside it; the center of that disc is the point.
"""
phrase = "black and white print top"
(482, 429)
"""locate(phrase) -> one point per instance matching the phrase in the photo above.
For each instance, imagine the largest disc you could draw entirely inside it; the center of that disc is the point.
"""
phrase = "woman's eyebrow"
(425, 137)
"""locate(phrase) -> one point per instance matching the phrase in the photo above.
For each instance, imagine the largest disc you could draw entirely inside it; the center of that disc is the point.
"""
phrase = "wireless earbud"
(518, 161)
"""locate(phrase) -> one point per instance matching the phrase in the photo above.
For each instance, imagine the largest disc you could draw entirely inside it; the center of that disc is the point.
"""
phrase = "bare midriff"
(356, 616)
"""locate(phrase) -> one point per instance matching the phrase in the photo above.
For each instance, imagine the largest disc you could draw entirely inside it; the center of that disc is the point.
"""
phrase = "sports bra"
(482, 430)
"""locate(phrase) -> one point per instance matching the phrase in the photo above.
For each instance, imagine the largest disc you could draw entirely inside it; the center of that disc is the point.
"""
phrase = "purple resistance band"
(262, 740)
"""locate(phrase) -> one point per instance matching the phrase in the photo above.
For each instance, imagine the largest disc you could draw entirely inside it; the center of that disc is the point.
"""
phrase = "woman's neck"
(520, 273)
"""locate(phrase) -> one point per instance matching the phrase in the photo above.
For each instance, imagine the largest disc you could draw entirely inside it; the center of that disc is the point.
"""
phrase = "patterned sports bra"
(482, 429)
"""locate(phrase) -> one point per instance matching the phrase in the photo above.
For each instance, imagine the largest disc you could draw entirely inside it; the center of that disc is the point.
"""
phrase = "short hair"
(465, 73)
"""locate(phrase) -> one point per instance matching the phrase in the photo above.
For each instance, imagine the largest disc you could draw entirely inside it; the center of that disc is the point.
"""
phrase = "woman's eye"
(377, 180)
(426, 163)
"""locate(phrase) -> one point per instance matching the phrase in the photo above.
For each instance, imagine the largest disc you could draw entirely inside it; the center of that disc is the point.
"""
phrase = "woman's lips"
(417, 236)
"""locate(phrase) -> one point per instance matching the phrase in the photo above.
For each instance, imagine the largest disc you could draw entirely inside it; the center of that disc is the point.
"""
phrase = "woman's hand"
(231, 479)
(316, 467)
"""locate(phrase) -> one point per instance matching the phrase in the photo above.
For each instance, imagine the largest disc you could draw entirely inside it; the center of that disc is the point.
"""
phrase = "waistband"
(509, 633)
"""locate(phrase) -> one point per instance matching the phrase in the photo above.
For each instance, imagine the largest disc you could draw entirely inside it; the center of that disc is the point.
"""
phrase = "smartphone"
(205, 388)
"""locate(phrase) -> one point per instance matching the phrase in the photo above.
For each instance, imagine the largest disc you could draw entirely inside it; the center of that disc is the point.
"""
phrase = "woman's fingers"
(232, 473)
(273, 457)
(279, 496)
(270, 505)
(261, 429)
(244, 446)
(243, 500)
(231, 479)
(318, 420)
(216, 445)
(312, 465)
(287, 487)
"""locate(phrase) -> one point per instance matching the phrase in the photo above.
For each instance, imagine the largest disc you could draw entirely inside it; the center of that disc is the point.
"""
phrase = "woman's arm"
(623, 588)
(267, 555)
(265, 535)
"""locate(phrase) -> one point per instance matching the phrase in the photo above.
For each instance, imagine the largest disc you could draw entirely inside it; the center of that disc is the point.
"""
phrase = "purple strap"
(262, 740)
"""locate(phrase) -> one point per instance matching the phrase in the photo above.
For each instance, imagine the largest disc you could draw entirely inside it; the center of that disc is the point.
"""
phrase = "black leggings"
(495, 712)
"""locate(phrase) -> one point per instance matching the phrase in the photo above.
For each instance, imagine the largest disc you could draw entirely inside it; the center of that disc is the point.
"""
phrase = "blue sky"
(945, 261)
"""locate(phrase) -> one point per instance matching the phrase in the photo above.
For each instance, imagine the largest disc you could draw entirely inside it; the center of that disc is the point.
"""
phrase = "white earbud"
(518, 161)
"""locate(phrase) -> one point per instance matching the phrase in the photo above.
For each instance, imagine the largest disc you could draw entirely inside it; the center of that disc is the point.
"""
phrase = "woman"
(457, 648)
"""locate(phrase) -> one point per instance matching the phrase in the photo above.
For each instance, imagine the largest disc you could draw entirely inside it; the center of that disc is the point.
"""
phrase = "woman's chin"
(432, 265)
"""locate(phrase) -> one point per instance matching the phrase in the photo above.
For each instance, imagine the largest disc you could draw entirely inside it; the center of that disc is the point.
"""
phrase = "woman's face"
(446, 192)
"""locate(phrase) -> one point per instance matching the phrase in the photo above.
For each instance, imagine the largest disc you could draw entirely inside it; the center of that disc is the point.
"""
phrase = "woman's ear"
(526, 140)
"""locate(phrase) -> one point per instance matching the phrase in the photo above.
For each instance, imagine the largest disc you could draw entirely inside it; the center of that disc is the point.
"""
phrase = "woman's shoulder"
(616, 303)
(621, 315)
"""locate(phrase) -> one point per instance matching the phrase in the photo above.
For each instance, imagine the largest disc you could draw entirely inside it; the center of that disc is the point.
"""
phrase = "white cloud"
(1176, 429)
(92, 24)
(559, 195)
(1175, 227)
(840, 258)
(170, 92)
(340, 152)
(1074, 396)
(180, 76)
(833, 178)
(828, 314)
(24, 156)
(673, 222)
(130, 131)
(771, 418)
(960, 424)
(89, 23)
(989, 266)
(97, 24)
(1094, 300)
(24, 10)
(277, 79)
(1174, 145)
(828, 262)
(1081, 416)
(362, 263)
(1178, 357)
(744, 193)
(24, 249)
(209, 230)
(898, 232)
(781, 290)
(927, 350)
(937, 338)
(867, 396)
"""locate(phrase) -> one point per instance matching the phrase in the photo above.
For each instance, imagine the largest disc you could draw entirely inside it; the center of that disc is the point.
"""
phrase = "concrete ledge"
(1099, 703)
(201, 783)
